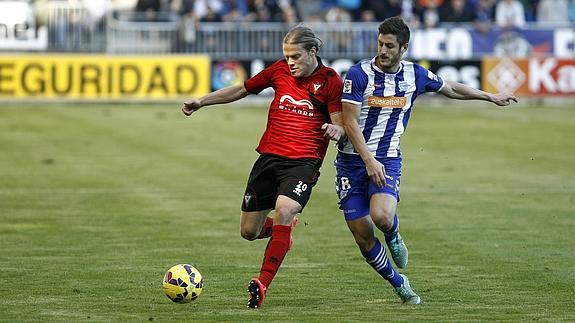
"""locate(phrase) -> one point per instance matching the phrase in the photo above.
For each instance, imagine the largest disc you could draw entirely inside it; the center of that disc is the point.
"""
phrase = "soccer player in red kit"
(303, 116)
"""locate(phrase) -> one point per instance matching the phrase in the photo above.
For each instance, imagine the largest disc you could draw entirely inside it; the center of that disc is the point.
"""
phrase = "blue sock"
(392, 233)
(377, 258)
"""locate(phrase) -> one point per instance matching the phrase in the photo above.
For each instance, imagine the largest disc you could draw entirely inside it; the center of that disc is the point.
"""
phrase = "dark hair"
(303, 35)
(395, 26)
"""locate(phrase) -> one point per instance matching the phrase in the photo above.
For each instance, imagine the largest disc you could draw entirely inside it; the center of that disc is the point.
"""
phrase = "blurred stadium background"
(104, 184)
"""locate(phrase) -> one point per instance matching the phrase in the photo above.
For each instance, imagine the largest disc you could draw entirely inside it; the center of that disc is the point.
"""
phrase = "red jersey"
(299, 108)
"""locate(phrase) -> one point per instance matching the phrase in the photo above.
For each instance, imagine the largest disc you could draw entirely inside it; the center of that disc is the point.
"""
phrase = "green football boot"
(407, 295)
(398, 251)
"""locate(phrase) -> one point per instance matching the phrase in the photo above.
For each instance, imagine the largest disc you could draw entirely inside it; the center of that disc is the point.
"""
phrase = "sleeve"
(426, 81)
(262, 80)
(354, 85)
(334, 94)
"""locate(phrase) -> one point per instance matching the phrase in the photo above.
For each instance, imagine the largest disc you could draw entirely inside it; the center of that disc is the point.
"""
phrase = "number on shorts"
(345, 185)
(299, 188)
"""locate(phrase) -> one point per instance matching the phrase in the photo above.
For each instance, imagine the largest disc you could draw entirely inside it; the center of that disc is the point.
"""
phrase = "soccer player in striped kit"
(304, 114)
(378, 97)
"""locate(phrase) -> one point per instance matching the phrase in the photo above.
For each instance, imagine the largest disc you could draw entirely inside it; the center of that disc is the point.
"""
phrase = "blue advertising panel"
(466, 42)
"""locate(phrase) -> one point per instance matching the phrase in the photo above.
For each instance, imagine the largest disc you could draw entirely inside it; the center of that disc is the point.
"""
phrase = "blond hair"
(304, 36)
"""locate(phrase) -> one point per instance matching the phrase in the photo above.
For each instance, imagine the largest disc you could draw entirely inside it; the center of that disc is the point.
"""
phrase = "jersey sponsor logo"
(387, 102)
(303, 107)
(347, 86)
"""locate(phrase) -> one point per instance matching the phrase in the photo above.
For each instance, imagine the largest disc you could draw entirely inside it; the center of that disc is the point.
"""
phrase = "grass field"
(96, 202)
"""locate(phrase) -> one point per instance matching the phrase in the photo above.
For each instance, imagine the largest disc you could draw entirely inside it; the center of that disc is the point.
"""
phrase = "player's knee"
(383, 218)
(249, 233)
(285, 214)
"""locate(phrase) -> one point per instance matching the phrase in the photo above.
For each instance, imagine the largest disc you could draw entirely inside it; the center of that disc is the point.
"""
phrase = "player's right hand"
(191, 106)
(332, 131)
(376, 172)
(504, 99)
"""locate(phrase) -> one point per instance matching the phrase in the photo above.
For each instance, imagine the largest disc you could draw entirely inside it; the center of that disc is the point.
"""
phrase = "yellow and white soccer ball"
(183, 283)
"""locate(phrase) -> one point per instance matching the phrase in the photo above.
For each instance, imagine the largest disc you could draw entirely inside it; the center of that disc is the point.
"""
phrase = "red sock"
(275, 252)
(266, 229)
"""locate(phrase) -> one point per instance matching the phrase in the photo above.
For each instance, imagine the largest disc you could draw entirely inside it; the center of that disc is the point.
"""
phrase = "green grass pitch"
(96, 202)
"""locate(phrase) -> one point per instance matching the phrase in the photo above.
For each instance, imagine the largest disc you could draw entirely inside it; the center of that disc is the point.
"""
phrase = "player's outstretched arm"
(454, 90)
(225, 95)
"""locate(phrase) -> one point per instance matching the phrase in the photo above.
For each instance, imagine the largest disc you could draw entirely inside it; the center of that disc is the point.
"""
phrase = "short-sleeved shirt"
(386, 102)
(299, 108)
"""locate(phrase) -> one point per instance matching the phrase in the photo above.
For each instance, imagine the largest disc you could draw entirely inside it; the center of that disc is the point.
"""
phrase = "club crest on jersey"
(347, 86)
(387, 102)
(403, 86)
(316, 87)
(303, 107)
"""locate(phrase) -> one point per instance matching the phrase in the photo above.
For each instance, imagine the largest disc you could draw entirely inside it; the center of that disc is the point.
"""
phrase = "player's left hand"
(332, 131)
(191, 106)
(503, 99)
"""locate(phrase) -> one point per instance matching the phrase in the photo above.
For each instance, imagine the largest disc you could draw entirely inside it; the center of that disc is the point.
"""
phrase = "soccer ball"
(182, 283)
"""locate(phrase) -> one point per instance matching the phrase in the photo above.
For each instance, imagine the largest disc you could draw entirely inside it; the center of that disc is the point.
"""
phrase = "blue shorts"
(354, 187)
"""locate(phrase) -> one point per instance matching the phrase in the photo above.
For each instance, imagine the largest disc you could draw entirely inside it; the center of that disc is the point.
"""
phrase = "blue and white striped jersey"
(386, 102)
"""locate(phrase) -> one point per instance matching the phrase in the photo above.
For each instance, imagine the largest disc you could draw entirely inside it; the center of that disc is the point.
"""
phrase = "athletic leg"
(296, 179)
(372, 250)
(259, 199)
(375, 255)
(278, 246)
(354, 189)
(383, 207)
(286, 210)
(255, 225)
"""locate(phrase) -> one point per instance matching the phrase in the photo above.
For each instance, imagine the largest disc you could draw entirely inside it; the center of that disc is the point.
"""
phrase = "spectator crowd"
(86, 28)
(418, 13)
